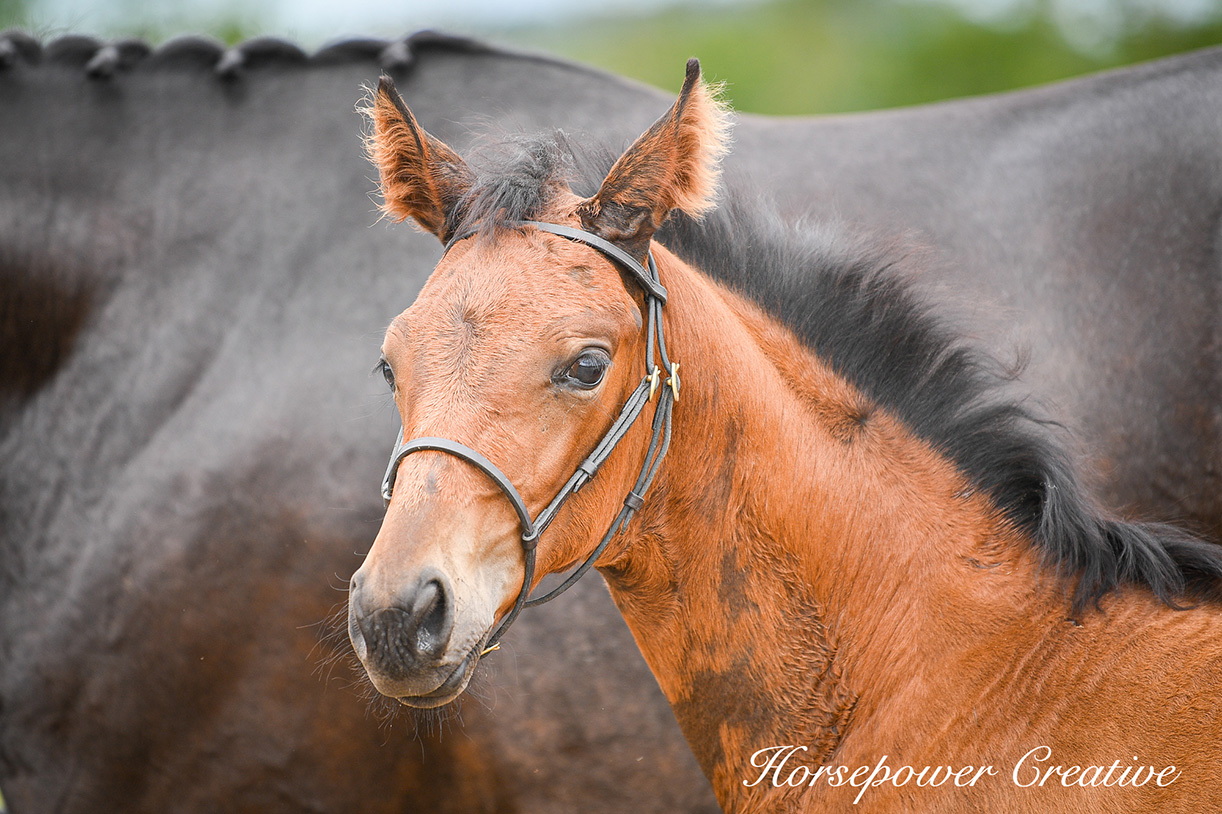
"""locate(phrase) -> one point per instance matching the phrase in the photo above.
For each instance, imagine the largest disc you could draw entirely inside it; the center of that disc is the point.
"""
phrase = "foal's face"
(523, 346)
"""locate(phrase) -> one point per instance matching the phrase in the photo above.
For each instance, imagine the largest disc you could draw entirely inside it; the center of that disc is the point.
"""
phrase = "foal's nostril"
(432, 612)
(410, 635)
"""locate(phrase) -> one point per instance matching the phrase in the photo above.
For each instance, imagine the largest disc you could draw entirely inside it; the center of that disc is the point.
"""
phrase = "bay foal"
(863, 577)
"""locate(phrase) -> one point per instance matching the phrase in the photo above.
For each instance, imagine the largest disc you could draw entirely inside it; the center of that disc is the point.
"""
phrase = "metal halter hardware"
(655, 297)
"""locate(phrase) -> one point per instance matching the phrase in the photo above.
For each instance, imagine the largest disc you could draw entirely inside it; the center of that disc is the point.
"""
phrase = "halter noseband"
(655, 297)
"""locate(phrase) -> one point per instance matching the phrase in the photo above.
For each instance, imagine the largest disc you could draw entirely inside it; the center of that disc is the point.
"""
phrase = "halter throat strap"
(655, 296)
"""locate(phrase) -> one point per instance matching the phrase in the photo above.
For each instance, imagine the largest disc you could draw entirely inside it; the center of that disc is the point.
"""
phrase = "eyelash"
(387, 372)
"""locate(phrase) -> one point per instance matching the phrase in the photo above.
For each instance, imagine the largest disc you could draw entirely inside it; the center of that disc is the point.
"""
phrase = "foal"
(860, 577)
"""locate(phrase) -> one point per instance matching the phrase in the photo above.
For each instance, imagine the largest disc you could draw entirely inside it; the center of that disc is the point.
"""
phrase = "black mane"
(848, 298)
(515, 179)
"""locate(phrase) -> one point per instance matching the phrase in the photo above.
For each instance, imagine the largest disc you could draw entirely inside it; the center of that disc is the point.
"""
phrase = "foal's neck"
(802, 554)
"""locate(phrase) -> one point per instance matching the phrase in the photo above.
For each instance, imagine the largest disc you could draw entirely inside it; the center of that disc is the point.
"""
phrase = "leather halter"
(655, 296)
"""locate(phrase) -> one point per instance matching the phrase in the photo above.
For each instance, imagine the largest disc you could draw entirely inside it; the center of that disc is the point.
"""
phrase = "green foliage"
(13, 14)
(822, 56)
(229, 22)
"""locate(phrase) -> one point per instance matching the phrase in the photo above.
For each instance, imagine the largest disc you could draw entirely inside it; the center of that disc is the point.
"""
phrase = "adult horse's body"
(857, 544)
(185, 266)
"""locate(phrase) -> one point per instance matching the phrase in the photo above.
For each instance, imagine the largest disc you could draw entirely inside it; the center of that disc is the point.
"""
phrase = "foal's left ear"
(675, 164)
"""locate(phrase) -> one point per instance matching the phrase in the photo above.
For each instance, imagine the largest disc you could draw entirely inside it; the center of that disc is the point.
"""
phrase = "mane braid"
(848, 299)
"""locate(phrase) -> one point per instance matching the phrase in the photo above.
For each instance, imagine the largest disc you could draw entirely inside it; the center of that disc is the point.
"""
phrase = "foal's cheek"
(490, 575)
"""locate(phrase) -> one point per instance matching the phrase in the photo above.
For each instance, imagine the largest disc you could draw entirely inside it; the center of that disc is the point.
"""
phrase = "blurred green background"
(825, 56)
(777, 56)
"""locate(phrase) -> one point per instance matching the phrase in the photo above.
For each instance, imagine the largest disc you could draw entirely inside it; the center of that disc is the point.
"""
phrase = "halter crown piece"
(659, 443)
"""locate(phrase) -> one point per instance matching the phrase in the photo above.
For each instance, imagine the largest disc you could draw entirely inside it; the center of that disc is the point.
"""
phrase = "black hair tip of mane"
(101, 60)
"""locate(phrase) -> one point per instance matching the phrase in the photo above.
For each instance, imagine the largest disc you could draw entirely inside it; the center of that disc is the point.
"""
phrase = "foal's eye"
(389, 375)
(587, 370)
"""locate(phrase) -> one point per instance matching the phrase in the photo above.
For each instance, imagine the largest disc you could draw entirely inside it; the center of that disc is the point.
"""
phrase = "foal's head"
(522, 345)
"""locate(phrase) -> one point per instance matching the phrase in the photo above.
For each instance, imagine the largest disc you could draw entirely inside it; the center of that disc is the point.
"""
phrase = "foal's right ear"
(421, 177)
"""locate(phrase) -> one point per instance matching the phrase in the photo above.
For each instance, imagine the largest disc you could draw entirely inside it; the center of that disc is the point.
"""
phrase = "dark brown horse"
(860, 549)
(189, 289)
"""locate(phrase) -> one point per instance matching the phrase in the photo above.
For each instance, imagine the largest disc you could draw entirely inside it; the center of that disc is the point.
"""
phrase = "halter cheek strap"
(655, 295)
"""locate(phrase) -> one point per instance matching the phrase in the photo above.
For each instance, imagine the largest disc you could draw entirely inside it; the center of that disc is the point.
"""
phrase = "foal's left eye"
(588, 369)
(389, 375)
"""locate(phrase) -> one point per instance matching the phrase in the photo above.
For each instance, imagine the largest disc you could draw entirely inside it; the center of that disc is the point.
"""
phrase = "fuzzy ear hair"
(675, 164)
(421, 177)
